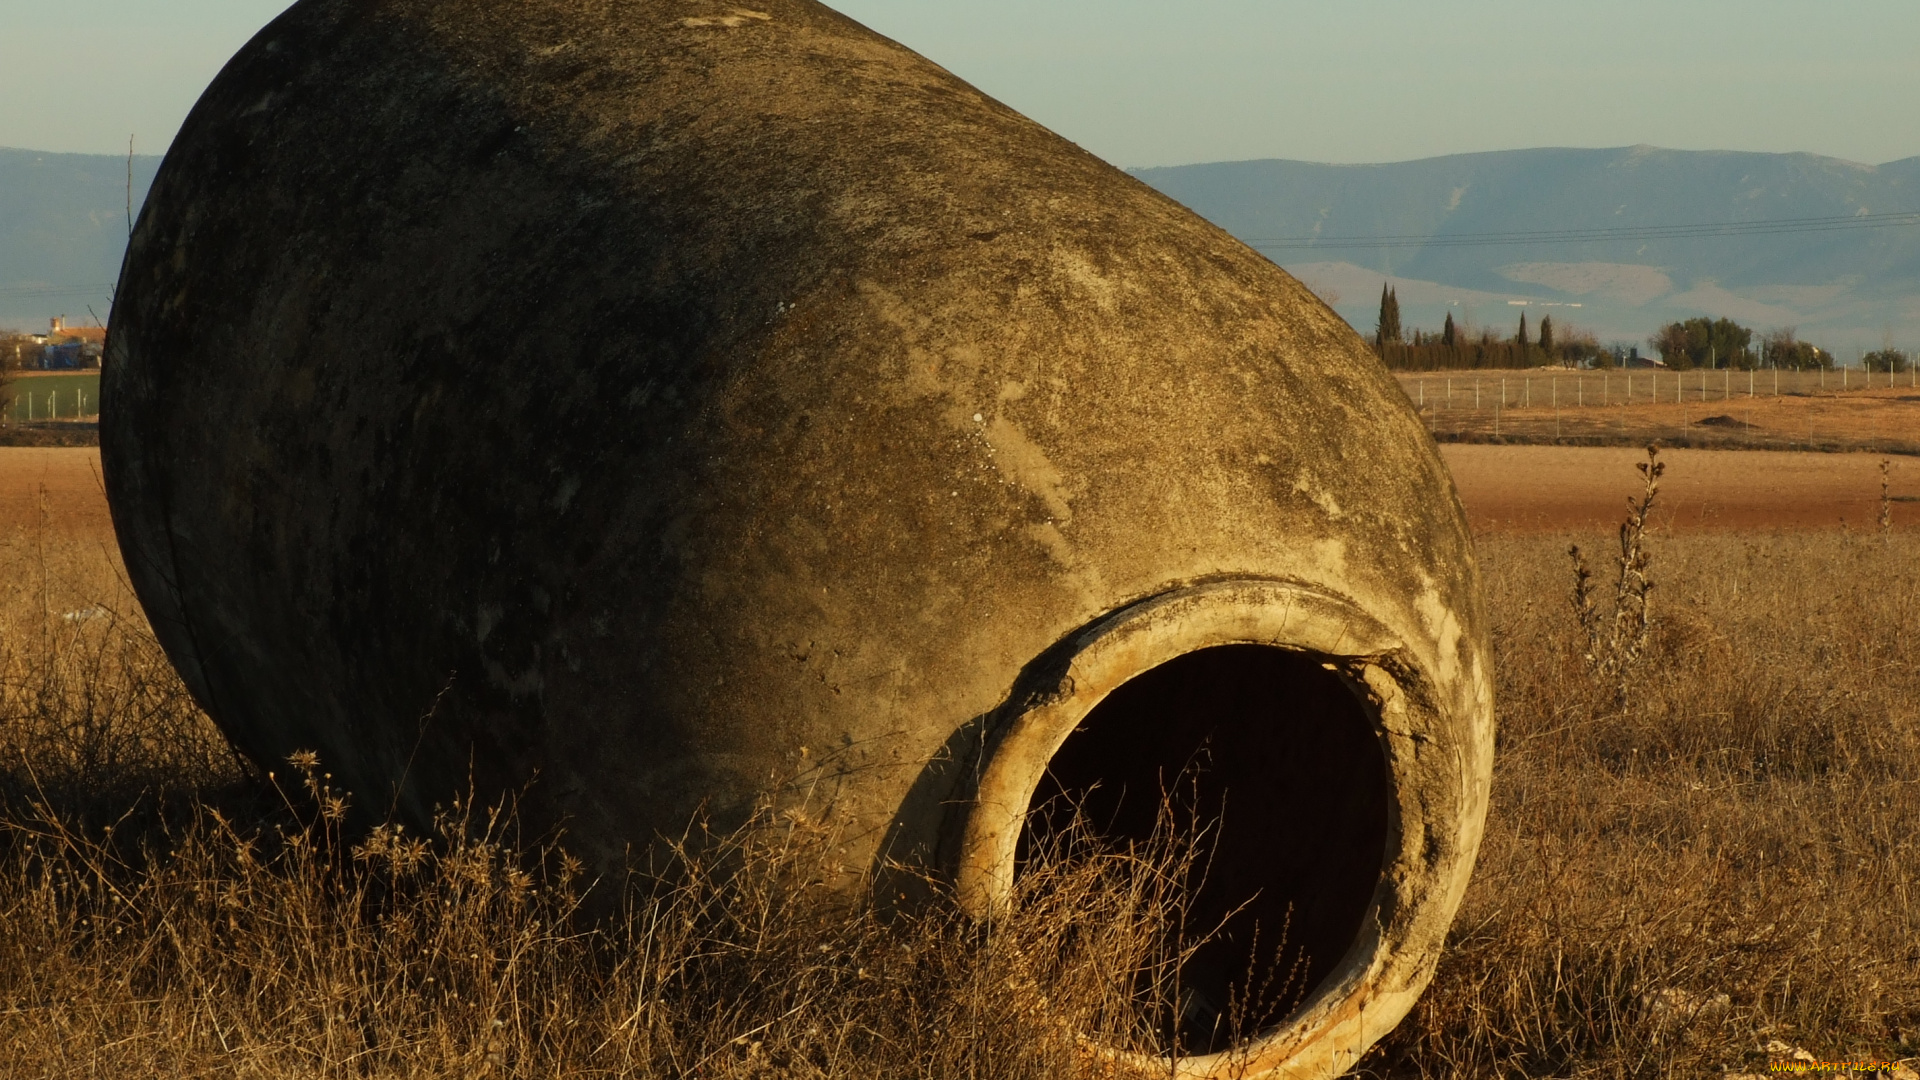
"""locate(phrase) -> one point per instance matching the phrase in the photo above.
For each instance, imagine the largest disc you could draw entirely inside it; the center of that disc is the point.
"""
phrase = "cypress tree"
(1387, 331)
(1448, 335)
(1520, 339)
(1546, 334)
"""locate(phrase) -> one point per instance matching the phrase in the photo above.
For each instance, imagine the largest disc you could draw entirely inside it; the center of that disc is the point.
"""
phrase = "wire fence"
(1577, 389)
(32, 405)
(1839, 409)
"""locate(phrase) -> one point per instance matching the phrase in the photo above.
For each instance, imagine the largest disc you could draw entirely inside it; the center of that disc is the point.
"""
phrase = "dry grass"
(277, 951)
(1744, 821)
(163, 911)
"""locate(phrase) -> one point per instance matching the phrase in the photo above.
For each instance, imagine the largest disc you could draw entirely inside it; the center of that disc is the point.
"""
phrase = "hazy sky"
(1158, 82)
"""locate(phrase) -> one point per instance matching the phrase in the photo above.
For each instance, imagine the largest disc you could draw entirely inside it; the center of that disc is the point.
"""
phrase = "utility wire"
(56, 290)
(1773, 227)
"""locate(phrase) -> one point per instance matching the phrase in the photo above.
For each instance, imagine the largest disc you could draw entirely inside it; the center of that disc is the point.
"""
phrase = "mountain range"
(1639, 236)
(63, 230)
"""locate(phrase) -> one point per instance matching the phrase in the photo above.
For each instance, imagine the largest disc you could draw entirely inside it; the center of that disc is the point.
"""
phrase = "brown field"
(1703, 865)
(1504, 488)
(1565, 488)
(61, 483)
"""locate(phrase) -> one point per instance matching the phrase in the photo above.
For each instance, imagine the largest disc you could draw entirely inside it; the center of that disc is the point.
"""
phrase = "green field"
(41, 397)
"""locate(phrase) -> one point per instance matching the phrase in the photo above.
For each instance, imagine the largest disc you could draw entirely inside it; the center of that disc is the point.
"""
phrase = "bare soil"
(55, 485)
(1568, 488)
(1505, 488)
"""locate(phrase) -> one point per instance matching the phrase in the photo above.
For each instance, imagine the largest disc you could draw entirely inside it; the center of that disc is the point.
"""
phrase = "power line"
(1774, 227)
(54, 291)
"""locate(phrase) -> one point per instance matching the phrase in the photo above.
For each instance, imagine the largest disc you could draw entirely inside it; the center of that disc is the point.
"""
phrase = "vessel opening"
(1265, 764)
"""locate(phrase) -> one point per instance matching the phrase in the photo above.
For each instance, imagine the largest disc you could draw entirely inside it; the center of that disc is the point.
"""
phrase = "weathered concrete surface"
(681, 395)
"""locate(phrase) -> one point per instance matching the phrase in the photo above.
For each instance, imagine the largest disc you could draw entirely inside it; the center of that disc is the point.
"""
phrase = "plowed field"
(1505, 488)
(1552, 488)
(55, 485)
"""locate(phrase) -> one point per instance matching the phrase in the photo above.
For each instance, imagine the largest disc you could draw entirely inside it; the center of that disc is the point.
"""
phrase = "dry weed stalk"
(1616, 642)
(1886, 500)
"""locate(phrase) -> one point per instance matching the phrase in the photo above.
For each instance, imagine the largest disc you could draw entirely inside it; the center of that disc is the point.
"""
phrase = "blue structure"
(61, 357)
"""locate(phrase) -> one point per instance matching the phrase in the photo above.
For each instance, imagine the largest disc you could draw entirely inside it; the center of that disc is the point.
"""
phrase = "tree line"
(1683, 346)
(1454, 348)
(1723, 343)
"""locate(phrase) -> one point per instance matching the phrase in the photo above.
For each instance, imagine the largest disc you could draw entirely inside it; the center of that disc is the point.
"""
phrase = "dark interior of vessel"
(1267, 765)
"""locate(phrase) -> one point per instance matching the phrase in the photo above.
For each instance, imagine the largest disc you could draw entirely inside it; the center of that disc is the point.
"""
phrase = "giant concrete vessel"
(636, 403)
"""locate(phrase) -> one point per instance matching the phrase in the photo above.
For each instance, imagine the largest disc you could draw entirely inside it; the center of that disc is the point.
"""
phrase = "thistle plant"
(1886, 501)
(1617, 639)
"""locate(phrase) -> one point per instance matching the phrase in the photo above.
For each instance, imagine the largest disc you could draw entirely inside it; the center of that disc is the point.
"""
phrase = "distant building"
(71, 348)
(61, 333)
